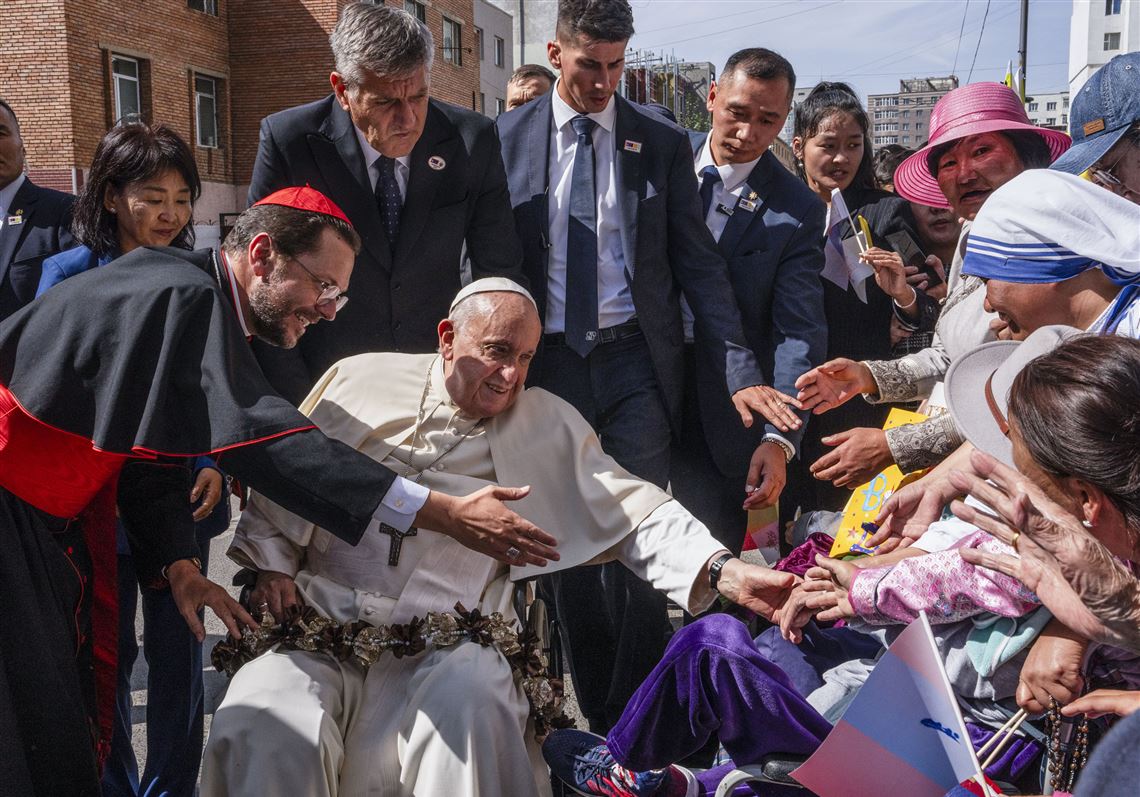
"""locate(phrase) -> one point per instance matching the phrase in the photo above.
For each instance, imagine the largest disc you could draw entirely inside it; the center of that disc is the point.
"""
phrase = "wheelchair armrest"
(778, 767)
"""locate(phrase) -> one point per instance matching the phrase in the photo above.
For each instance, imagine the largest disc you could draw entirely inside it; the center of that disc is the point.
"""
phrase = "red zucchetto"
(305, 198)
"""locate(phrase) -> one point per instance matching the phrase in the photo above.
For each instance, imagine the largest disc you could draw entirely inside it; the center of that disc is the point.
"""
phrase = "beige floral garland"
(364, 643)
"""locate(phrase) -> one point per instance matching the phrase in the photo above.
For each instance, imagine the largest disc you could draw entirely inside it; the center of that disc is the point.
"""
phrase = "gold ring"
(1016, 537)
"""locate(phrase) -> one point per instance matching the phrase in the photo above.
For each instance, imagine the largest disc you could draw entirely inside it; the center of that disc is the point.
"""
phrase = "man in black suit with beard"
(421, 180)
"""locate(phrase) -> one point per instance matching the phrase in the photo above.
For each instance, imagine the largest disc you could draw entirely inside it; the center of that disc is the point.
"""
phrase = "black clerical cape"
(106, 381)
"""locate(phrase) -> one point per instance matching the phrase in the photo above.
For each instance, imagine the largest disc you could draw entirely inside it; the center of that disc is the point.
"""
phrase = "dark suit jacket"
(774, 255)
(23, 247)
(396, 302)
(666, 244)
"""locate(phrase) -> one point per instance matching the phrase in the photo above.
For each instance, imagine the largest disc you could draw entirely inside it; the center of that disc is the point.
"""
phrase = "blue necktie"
(709, 178)
(582, 245)
(388, 199)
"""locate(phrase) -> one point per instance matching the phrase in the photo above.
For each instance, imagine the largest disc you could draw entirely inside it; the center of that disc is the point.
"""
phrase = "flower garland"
(364, 643)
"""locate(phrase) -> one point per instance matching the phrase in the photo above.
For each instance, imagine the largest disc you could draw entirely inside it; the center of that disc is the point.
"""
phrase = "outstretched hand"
(756, 588)
(192, 591)
(482, 522)
(1075, 576)
(769, 402)
(836, 382)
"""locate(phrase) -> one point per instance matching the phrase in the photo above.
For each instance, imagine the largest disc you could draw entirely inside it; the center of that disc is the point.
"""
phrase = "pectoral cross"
(397, 541)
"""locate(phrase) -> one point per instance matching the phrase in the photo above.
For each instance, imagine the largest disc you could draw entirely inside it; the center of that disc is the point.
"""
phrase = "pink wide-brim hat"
(968, 111)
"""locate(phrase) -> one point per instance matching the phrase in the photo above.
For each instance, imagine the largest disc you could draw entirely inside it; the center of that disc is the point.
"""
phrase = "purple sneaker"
(583, 763)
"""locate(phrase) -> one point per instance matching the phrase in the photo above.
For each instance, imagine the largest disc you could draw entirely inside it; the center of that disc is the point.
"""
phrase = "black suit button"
(396, 325)
(396, 287)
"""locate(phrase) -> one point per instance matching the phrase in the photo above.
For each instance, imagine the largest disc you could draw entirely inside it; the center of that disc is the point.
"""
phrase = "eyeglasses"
(329, 292)
(1106, 179)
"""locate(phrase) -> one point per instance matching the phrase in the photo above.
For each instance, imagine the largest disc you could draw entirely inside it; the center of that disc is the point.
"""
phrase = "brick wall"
(266, 55)
(34, 81)
(171, 43)
(455, 84)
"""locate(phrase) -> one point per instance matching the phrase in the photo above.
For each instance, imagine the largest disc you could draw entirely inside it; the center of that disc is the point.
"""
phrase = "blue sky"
(870, 43)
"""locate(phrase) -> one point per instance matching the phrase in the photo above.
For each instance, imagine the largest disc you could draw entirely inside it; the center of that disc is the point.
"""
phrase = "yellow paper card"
(865, 502)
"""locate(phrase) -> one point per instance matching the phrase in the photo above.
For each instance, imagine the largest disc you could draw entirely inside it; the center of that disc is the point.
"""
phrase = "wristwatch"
(715, 568)
(194, 560)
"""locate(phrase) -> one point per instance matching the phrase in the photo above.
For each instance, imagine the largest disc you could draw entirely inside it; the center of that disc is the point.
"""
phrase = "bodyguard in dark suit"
(421, 180)
(606, 206)
(34, 221)
(769, 228)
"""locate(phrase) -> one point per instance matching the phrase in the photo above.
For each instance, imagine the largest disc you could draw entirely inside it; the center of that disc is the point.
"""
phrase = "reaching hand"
(912, 508)
(857, 456)
(823, 595)
(276, 593)
(767, 475)
(191, 591)
(770, 403)
(1052, 670)
(483, 523)
(834, 383)
(1104, 701)
(208, 486)
(1075, 576)
(759, 589)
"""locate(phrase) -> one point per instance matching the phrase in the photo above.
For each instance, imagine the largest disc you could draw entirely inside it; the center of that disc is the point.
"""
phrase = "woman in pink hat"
(832, 145)
(980, 138)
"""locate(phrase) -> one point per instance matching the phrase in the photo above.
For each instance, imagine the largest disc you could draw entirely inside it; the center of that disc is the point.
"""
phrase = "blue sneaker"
(583, 763)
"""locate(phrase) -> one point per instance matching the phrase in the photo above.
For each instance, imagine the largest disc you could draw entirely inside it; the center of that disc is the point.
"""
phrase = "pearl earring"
(1087, 524)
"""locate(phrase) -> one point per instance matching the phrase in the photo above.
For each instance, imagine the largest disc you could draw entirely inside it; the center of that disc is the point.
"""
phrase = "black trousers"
(715, 498)
(614, 626)
(46, 683)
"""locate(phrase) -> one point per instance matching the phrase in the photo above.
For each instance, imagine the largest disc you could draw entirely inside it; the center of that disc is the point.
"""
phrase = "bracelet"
(196, 561)
(913, 301)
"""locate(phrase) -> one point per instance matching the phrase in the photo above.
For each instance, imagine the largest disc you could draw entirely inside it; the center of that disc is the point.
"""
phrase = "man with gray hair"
(421, 180)
(447, 714)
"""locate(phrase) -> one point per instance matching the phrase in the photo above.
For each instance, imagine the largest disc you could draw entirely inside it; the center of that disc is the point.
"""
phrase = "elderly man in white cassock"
(452, 720)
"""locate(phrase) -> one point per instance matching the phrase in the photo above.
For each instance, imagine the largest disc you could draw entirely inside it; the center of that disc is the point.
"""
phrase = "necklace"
(397, 536)
(421, 416)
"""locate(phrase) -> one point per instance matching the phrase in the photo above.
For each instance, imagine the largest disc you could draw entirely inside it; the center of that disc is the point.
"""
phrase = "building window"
(206, 108)
(205, 6)
(500, 105)
(1065, 103)
(1112, 41)
(1065, 119)
(482, 102)
(1051, 121)
(1051, 106)
(125, 80)
(918, 125)
(1032, 106)
(500, 57)
(479, 43)
(1111, 8)
(416, 9)
(452, 42)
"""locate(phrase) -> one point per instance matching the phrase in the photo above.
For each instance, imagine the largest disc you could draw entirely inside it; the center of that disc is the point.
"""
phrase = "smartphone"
(912, 255)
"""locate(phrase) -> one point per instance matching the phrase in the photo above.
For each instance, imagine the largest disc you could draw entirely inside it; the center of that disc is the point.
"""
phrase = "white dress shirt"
(372, 158)
(725, 196)
(7, 197)
(615, 301)
(726, 193)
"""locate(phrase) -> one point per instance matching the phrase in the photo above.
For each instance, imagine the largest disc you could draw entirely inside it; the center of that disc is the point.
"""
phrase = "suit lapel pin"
(753, 195)
(632, 146)
(437, 163)
(747, 204)
(16, 218)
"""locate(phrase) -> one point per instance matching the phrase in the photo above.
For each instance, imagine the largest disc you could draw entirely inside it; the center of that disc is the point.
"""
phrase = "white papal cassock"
(452, 721)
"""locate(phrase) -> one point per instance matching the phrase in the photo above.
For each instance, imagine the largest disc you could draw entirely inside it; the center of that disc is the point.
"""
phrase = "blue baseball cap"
(1101, 113)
